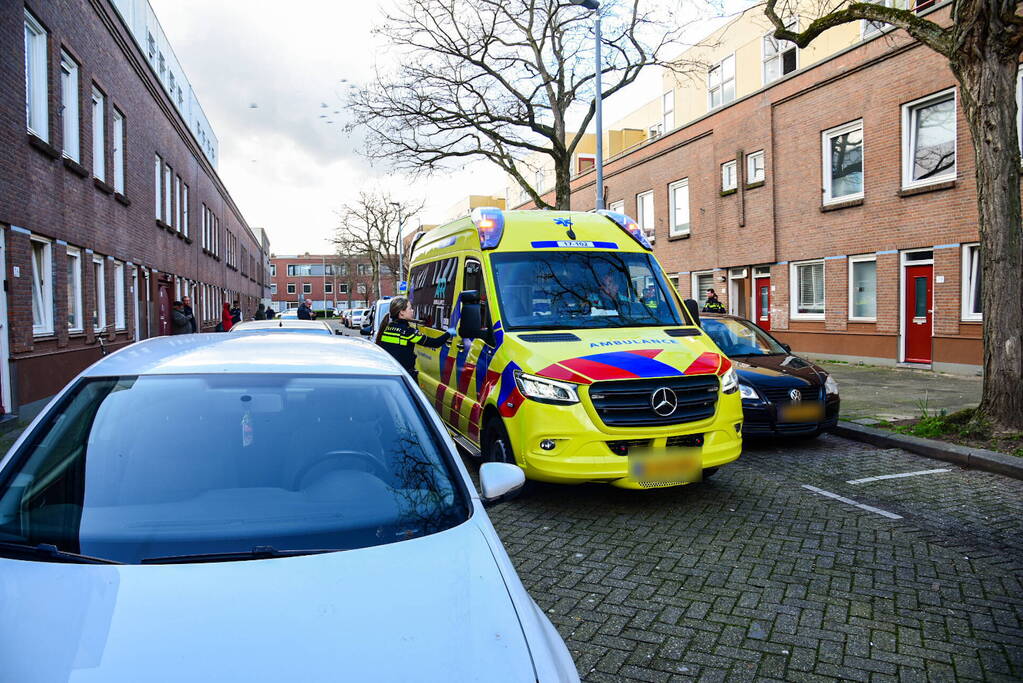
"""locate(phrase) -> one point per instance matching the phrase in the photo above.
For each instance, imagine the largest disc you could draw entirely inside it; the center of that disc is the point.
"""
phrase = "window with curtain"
(810, 288)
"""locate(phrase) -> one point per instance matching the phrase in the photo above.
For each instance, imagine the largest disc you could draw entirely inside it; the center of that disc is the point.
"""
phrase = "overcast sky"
(269, 77)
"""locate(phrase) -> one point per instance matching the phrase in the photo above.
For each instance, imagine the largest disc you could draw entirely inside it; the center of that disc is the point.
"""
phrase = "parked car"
(290, 314)
(782, 394)
(371, 321)
(286, 325)
(357, 315)
(257, 507)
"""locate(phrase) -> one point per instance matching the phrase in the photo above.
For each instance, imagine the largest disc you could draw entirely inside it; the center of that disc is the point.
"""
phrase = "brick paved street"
(751, 576)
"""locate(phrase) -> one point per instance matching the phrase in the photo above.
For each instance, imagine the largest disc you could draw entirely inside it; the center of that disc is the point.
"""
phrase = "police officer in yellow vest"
(399, 338)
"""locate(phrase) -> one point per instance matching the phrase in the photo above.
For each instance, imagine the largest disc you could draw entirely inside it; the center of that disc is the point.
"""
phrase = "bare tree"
(499, 80)
(369, 231)
(982, 43)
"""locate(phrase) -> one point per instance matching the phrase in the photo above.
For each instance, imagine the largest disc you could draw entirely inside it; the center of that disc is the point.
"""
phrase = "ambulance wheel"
(496, 444)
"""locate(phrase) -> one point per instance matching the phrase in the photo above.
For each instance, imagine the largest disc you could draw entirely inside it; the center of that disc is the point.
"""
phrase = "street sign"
(402, 287)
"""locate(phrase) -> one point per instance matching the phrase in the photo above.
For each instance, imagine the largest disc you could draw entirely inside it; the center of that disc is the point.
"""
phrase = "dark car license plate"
(801, 412)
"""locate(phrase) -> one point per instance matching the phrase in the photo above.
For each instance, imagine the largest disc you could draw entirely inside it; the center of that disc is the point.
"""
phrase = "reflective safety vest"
(399, 339)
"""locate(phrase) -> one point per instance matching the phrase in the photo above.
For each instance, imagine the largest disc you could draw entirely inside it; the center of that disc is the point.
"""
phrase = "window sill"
(807, 318)
(43, 146)
(841, 205)
(177, 233)
(122, 199)
(759, 183)
(188, 240)
(102, 186)
(971, 321)
(75, 167)
(48, 335)
(163, 226)
(923, 189)
(725, 193)
(675, 238)
(861, 320)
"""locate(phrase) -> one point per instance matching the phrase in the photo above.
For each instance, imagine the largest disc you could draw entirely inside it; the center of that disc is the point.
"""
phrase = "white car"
(375, 317)
(290, 314)
(357, 315)
(256, 507)
(278, 325)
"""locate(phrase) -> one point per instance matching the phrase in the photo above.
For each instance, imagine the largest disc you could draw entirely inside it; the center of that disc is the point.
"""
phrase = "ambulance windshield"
(561, 290)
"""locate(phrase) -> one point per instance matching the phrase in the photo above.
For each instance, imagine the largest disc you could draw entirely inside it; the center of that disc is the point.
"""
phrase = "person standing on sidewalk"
(186, 306)
(305, 311)
(399, 338)
(180, 323)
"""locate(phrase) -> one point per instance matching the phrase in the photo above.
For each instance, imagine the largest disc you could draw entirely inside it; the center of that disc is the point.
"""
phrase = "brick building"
(835, 205)
(110, 202)
(329, 280)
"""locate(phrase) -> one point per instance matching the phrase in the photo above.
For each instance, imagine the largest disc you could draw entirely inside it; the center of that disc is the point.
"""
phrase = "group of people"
(183, 318)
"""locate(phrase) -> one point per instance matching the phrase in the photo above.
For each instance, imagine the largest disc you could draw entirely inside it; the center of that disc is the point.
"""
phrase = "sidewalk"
(870, 391)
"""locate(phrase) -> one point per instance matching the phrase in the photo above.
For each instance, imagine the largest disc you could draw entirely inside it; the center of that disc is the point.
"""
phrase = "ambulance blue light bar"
(628, 225)
(489, 222)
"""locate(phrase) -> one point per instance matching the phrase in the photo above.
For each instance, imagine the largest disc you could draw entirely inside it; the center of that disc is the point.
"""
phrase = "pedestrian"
(305, 311)
(260, 312)
(713, 304)
(236, 313)
(226, 319)
(186, 306)
(180, 323)
(399, 338)
(269, 314)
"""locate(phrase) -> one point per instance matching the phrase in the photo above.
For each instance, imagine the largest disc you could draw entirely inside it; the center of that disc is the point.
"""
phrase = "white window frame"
(273, 288)
(721, 82)
(120, 320)
(676, 229)
(729, 176)
(909, 134)
(1019, 108)
(328, 287)
(539, 178)
(117, 141)
(342, 288)
(158, 186)
(74, 288)
(695, 292)
(826, 136)
(37, 110)
(291, 288)
(794, 313)
(100, 289)
(617, 207)
(99, 134)
(751, 171)
(307, 288)
(42, 285)
(184, 209)
(273, 270)
(869, 28)
(668, 111)
(70, 120)
(176, 215)
(646, 223)
(792, 25)
(865, 258)
(168, 196)
(971, 267)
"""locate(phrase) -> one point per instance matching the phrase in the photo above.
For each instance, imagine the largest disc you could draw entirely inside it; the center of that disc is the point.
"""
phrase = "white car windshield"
(137, 468)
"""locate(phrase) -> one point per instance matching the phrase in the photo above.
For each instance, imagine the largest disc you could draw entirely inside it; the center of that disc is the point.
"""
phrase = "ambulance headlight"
(729, 381)
(545, 390)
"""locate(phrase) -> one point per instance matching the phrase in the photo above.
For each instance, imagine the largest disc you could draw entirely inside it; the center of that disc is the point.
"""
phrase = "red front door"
(918, 314)
(762, 305)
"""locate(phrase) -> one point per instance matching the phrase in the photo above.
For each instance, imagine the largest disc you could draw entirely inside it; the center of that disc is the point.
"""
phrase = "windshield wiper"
(48, 551)
(259, 552)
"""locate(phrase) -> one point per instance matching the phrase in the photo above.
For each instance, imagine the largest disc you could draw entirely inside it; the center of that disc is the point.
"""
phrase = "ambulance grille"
(627, 403)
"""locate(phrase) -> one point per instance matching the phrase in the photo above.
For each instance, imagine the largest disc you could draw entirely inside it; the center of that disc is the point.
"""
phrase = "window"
(36, 79)
(668, 111)
(342, 288)
(721, 82)
(69, 106)
(99, 293)
(360, 288)
(117, 133)
(328, 287)
(678, 200)
(161, 65)
(843, 162)
(584, 162)
(617, 207)
(538, 180)
(365, 269)
(176, 219)
(870, 28)
(755, 170)
(701, 283)
(152, 47)
(184, 209)
(273, 288)
(291, 288)
(168, 197)
(158, 188)
(74, 290)
(99, 142)
(929, 140)
(307, 288)
(273, 270)
(808, 290)
(42, 286)
(728, 179)
(655, 131)
(863, 288)
(119, 320)
(972, 308)
(432, 287)
(645, 214)
(780, 56)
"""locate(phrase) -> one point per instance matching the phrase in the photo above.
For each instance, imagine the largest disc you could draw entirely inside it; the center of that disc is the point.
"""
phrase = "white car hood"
(432, 608)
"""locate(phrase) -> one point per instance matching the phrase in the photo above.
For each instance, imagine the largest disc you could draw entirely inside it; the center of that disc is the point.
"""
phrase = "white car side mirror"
(500, 481)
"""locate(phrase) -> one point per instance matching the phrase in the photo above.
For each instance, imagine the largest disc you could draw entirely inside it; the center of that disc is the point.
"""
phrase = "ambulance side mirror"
(470, 322)
(694, 311)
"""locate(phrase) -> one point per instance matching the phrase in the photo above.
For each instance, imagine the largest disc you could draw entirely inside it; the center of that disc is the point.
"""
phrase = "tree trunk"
(988, 94)
(563, 184)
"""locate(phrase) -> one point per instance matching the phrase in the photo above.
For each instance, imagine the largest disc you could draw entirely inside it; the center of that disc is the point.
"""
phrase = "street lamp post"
(401, 248)
(597, 77)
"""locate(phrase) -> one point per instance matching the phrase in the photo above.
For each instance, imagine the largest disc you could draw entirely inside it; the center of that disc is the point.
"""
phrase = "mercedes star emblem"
(664, 401)
(795, 395)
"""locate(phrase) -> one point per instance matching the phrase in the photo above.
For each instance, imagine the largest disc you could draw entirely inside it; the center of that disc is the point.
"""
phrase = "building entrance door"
(164, 307)
(918, 314)
(762, 302)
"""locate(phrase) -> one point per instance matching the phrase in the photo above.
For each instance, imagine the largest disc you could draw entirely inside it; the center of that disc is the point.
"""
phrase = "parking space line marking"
(868, 508)
(896, 476)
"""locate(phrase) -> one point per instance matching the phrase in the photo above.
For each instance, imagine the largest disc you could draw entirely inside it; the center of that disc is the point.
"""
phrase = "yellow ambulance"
(574, 357)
